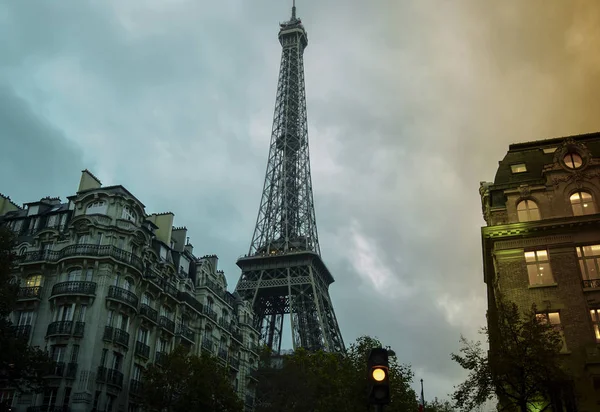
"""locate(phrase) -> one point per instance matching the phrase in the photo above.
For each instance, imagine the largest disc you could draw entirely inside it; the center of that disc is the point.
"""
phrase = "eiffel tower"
(283, 275)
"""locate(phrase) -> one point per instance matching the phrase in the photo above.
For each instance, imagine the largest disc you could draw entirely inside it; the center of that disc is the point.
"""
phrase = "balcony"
(207, 344)
(222, 353)
(135, 387)
(116, 336)
(62, 328)
(82, 251)
(160, 358)
(210, 313)
(71, 372)
(149, 313)
(167, 324)
(190, 300)
(110, 376)
(23, 331)
(591, 283)
(79, 329)
(29, 293)
(142, 350)
(73, 288)
(48, 408)
(238, 336)
(123, 296)
(186, 333)
(234, 363)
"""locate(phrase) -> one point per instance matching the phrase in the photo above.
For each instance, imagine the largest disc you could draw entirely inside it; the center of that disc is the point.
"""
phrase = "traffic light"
(379, 381)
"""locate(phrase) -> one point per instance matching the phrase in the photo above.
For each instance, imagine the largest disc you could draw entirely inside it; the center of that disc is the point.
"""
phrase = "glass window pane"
(533, 275)
(534, 214)
(554, 318)
(542, 255)
(585, 195)
(522, 205)
(593, 314)
(597, 331)
(523, 216)
(578, 249)
(530, 256)
(592, 273)
(577, 210)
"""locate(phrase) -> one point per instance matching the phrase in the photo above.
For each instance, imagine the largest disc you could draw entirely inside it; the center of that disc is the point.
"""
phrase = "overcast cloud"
(410, 105)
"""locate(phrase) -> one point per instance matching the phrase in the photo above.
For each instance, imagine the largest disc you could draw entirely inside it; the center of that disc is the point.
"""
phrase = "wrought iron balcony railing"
(190, 300)
(123, 296)
(234, 363)
(74, 288)
(166, 324)
(60, 328)
(210, 313)
(148, 313)
(186, 333)
(30, 292)
(591, 283)
(116, 335)
(110, 376)
(142, 350)
(135, 387)
(84, 250)
(23, 331)
(207, 344)
(48, 408)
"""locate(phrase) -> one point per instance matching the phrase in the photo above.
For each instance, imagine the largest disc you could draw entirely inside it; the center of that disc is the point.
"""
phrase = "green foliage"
(184, 383)
(439, 406)
(328, 382)
(21, 367)
(522, 367)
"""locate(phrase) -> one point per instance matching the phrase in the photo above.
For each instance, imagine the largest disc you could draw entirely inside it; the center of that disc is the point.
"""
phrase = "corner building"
(542, 245)
(107, 289)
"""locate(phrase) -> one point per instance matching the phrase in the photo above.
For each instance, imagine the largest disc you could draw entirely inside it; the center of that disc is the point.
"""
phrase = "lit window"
(589, 260)
(573, 161)
(582, 204)
(527, 210)
(97, 207)
(520, 168)
(553, 319)
(128, 214)
(538, 268)
(33, 281)
(596, 322)
(548, 150)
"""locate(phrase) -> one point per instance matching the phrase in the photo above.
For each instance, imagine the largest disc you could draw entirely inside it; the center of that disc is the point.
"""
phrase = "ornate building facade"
(107, 289)
(542, 245)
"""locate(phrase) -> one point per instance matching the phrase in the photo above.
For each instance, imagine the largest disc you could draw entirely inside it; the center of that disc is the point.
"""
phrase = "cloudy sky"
(411, 104)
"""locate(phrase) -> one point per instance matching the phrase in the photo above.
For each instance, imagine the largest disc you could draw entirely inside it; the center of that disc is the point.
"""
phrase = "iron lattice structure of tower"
(283, 273)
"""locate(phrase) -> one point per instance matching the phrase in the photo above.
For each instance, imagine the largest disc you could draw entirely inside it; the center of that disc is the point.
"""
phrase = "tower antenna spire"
(293, 9)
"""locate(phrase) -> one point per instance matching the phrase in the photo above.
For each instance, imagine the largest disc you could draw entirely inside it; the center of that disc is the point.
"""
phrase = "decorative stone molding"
(538, 241)
(524, 191)
(577, 176)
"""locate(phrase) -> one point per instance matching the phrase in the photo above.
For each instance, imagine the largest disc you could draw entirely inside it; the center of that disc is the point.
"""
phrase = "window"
(128, 284)
(33, 281)
(25, 318)
(52, 219)
(99, 238)
(97, 207)
(65, 313)
(81, 313)
(143, 336)
(538, 268)
(527, 210)
(128, 214)
(589, 260)
(147, 299)
(548, 150)
(518, 168)
(582, 204)
(573, 161)
(553, 319)
(74, 275)
(17, 224)
(82, 240)
(74, 353)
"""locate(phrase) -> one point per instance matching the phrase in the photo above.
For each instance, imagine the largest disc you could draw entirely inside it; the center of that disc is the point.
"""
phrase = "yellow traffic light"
(378, 374)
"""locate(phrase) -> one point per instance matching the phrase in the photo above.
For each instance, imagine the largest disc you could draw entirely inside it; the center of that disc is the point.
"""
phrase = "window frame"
(539, 265)
(518, 168)
(581, 203)
(528, 210)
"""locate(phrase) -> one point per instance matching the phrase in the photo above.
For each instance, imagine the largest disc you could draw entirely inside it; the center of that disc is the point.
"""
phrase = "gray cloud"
(410, 105)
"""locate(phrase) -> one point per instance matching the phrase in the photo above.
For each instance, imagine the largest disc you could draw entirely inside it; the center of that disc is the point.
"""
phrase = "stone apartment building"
(542, 245)
(107, 289)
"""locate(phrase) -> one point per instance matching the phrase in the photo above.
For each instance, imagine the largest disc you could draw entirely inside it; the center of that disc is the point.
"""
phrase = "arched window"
(527, 210)
(74, 275)
(97, 207)
(582, 204)
(128, 214)
(147, 299)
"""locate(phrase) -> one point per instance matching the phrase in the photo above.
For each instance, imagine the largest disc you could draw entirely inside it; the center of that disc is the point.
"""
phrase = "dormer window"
(518, 168)
(573, 161)
(128, 214)
(549, 150)
(97, 207)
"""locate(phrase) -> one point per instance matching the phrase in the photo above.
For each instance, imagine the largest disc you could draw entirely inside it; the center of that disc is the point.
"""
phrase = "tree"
(328, 382)
(184, 382)
(438, 406)
(22, 367)
(523, 367)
